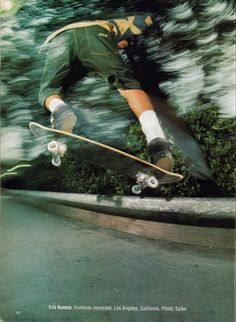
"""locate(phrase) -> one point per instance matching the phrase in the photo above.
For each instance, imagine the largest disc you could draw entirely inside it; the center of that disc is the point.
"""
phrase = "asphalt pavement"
(54, 268)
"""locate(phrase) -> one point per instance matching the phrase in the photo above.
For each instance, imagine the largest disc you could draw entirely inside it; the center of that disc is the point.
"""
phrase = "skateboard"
(105, 156)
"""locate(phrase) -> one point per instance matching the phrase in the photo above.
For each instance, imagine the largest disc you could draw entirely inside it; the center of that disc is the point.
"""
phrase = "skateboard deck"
(105, 156)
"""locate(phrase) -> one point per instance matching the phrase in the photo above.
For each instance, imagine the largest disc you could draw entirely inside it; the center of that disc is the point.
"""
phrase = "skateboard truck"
(144, 181)
(57, 149)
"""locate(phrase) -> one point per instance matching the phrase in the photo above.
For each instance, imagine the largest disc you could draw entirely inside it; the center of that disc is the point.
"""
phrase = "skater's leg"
(158, 146)
(59, 58)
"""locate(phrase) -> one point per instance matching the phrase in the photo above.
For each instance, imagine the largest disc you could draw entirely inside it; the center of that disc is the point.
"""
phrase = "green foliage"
(74, 175)
(217, 139)
(82, 177)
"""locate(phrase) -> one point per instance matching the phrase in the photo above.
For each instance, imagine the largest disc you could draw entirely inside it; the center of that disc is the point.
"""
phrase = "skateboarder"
(95, 44)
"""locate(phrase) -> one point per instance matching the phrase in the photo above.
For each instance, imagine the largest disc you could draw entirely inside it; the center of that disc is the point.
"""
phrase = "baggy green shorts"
(96, 50)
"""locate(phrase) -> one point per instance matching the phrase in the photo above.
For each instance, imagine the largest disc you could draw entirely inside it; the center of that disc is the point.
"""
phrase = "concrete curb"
(207, 212)
(98, 210)
(197, 236)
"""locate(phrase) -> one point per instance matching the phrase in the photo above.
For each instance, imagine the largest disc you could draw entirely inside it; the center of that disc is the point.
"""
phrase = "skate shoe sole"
(165, 163)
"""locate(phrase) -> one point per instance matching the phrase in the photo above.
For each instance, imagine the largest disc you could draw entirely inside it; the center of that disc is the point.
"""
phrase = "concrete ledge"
(197, 236)
(207, 212)
(155, 219)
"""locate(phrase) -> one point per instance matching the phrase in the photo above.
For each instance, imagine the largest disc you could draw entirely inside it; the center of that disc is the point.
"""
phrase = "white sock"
(54, 103)
(151, 126)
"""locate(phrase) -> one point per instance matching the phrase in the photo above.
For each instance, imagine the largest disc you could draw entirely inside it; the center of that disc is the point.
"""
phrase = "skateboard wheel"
(56, 161)
(136, 189)
(62, 149)
(53, 147)
(152, 182)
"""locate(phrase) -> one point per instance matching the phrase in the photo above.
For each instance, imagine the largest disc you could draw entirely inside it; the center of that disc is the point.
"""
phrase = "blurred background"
(186, 60)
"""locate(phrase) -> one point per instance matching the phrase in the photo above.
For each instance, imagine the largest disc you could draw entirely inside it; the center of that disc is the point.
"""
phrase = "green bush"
(216, 137)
